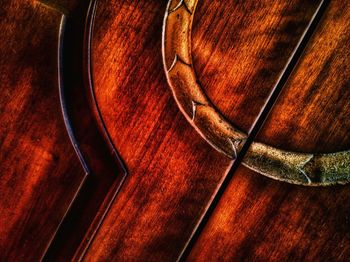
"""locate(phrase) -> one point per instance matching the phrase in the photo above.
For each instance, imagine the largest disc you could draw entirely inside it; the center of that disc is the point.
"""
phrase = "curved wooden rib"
(66, 118)
(102, 164)
(292, 167)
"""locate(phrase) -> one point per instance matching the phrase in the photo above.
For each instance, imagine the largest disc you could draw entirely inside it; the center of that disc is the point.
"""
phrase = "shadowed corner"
(104, 169)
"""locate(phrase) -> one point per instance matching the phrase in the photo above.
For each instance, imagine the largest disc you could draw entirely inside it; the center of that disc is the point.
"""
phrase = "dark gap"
(106, 171)
(258, 124)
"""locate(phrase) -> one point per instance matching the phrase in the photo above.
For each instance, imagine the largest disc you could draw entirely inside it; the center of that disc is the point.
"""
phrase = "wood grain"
(106, 172)
(38, 159)
(283, 165)
(173, 172)
(241, 49)
(152, 137)
(260, 219)
(39, 168)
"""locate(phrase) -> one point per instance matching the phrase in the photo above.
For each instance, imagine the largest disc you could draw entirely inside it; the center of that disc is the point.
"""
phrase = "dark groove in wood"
(65, 115)
(107, 170)
(40, 170)
(88, 36)
(67, 122)
(309, 224)
(256, 127)
(90, 21)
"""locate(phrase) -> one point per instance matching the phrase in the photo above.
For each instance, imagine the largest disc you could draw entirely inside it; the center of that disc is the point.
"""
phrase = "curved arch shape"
(291, 167)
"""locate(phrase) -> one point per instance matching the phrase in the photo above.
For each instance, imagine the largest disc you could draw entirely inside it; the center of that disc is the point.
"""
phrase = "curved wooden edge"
(113, 165)
(291, 167)
(66, 118)
(192, 101)
(88, 35)
(65, 115)
(112, 194)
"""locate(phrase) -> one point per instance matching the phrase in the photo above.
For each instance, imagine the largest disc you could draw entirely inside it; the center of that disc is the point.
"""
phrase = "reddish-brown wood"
(40, 172)
(152, 137)
(240, 50)
(265, 220)
(133, 109)
(57, 206)
(106, 172)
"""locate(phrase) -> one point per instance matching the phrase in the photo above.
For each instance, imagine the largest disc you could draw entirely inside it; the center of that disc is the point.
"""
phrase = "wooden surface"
(239, 57)
(41, 173)
(124, 86)
(153, 213)
(265, 220)
(39, 168)
(147, 176)
(106, 172)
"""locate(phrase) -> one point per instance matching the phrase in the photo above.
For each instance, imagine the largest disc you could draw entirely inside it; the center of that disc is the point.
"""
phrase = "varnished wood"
(242, 48)
(261, 219)
(293, 167)
(106, 172)
(136, 236)
(151, 136)
(39, 168)
(56, 110)
(119, 115)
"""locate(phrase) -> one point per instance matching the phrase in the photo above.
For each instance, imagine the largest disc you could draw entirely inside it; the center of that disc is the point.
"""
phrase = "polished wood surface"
(260, 219)
(153, 214)
(97, 162)
(41, 172)
(39, 168)
(239, 57)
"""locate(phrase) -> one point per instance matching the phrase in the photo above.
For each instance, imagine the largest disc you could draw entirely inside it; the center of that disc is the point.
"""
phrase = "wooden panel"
(106, 172)
(162, 153)
(173, 172)
(261, 219)
(40, 172)
(240, 50)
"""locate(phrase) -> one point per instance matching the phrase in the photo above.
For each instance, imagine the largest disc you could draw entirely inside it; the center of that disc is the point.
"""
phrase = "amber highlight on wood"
(99, 163)
(259, 219)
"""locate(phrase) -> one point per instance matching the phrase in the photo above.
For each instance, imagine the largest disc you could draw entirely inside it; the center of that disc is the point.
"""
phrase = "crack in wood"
(214, 127)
